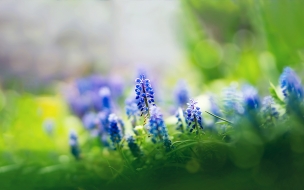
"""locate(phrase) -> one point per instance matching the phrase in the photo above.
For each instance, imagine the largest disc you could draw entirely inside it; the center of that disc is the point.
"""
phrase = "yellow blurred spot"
(49, 107)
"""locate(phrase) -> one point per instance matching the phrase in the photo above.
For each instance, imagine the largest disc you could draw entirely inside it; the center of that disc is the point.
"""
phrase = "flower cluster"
(194, 116)
(132, 111)
(181, 94)
(291, 84)
(144, 94)
(105, 97)
(115, 129)
(236, 108)
(158, 129)
(269, 112)
(179, 123)
(251, 98)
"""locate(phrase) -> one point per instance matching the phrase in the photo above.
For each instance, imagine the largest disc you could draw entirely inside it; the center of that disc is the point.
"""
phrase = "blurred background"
(45, 45)
(215, 41)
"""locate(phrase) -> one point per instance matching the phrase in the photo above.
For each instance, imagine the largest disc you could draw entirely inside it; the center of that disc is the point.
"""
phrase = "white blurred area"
(45, 40)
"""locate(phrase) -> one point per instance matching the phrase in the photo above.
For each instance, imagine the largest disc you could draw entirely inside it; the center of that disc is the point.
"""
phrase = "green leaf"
(275, 95)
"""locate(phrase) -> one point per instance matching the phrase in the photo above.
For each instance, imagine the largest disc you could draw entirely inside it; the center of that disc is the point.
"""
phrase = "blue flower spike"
(144, 95)
(105, 96)
(291, 85)
(181, 94)
(179, 123)
(251, 98)
(269, 112)
(158, 129)
(115, 131)
(73, 142)
(132, 111)
(194, 117)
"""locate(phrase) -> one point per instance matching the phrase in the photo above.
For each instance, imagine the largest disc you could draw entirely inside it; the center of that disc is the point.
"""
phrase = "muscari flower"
(181, 94)
(251, 98)
(158, 129)
(134, 148)
(131, 110)
(103, 127)
(179, 123)
(73, 142)
(291, 84)
(105, 97)
(194, 116)
(269, 112)
(144, 95)
(114, 129)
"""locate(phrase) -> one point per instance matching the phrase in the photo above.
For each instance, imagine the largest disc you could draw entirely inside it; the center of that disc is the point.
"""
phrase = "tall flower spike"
(144, 95)
(105, 96)
(269, 112)
(134, 148)
(194, 116)
(114, 130)
(131, 111)
(179, 123)
(251, 98)
(158, 129)
(181, 94)
(103, 127)
(291, 84)
(73, 141)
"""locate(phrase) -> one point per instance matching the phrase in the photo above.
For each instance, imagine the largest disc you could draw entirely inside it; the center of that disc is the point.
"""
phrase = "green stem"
(219, 117)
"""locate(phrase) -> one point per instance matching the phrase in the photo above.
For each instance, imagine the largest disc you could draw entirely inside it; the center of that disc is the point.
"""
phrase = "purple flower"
(181, 94)
(291, 84)
(251, 98)
(158, 129)
(114, 130)
(194, 116)
(144, 95)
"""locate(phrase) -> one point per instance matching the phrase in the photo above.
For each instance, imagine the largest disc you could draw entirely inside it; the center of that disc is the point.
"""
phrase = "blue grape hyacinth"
(269, 112)
(134, 148)
(181, 94)
(251, 98)
(179, 123)
(132, 111)
(158, 129)
(194, 116)
(291, 84)
(103, 127)
(105, 96)
(144, 95)
(73, 142)
(114, 130)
